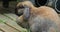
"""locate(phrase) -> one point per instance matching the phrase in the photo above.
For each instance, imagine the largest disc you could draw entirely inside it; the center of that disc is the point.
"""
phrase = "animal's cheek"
(52, 29)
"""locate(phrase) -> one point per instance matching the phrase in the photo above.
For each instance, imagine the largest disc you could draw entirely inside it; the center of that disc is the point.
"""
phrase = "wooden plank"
(12, 24)
(4, 18)
(1, 31)
(11, 16)
(7, 28)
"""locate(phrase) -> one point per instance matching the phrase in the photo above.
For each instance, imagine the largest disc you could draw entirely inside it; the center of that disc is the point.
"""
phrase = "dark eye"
(21, 7)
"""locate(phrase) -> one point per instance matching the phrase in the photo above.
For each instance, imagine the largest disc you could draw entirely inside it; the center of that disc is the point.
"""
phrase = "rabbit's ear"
(26, 12)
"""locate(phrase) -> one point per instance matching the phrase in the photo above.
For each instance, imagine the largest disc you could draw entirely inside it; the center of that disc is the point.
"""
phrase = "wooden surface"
(8, 18)
(9, 24)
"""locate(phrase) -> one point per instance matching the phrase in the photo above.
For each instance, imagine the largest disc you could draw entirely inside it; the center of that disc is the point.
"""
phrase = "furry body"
(38, 17)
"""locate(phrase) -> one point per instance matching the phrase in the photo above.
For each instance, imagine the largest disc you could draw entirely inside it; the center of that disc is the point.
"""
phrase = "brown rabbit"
(42, 19)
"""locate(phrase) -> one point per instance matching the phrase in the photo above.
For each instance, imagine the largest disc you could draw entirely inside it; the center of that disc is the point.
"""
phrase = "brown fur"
(43, 11)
